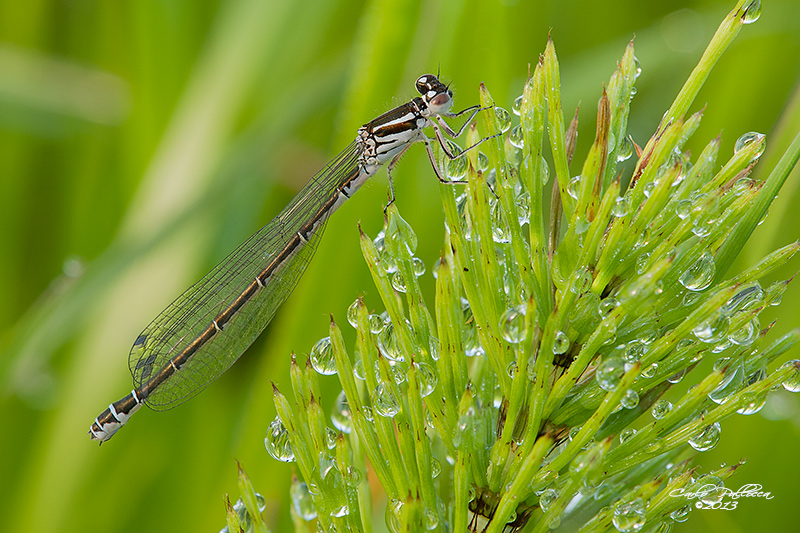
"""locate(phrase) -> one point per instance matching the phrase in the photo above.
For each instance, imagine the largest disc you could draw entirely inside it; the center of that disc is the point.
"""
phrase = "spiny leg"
(450, 131)
(389, 169)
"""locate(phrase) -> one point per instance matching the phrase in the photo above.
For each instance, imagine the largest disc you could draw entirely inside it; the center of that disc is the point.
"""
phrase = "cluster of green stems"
(531, 394)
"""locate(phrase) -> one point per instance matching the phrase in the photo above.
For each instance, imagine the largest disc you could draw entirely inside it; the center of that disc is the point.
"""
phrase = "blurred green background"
(142, 141)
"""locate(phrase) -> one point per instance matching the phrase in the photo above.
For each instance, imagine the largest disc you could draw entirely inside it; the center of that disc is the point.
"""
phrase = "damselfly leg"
(438, 126)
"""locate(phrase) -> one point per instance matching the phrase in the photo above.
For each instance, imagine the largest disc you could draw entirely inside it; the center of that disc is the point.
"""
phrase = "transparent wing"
(231, 282)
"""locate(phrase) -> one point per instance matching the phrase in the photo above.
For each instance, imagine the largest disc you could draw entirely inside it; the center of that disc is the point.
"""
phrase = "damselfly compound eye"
(424, 83)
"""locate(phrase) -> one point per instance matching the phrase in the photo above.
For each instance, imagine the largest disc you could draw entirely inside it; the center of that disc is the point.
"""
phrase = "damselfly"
(205, 330)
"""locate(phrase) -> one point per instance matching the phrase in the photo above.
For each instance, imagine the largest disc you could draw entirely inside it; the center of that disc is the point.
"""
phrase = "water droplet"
(367, 410)
(433, 346)
(472, 345)
(464, 426)
(327, 467)
(512, 324)
(388, 263)
(625, 149)
(352, 314)
(704, 223)
(456, 168)
(523, 202)
(686, 344)
(418, 266)
(396, 371)
(753, 403)
(380, 242)
(731, 383)
(654, 447)
(607, 306)
(501, 233)
(547, 499)
(376, 324)
(747, 334)
(503, 119)
(742, 185)
(574, 186)
(301, 501)
(622, 206)
(277, 442)
(713, 330)
(330, 437)
(338, 511)
(700, 275)
(400, 233)
(641, 263)
(341, 416)
(399, 282)
(746, 299)
(710, 496)
(561, 343)
(322, 357)
(609, 372)
(660, 409)
(792, 383)
(385, 402)
(430, 519)
(429, 421)
(649, 188)
(706, 439)
(630, 399)
(581, 224)
(245, 521)
(721, 347)
(643, 240)
(683, 209)
(581, 280)
(751, 12)
(517, 105)
(352, 476)
(637, 67)
(516, 137)
(678, 377)
(634, 351)
(511, 369)
(748, 138)
(427, 379)
(393, 515)
(682, 514)
(629, 517)
(483, 162)
(650, 371)
(626, 435)
(544, 171)
(690, 299)
(436, 467)
(358, 370)
(388, 345)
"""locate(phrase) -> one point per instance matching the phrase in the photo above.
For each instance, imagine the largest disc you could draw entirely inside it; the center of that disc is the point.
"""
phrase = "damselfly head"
(436, 94)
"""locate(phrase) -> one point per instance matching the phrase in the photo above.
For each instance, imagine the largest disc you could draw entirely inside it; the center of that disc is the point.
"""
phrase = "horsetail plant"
(511, 403)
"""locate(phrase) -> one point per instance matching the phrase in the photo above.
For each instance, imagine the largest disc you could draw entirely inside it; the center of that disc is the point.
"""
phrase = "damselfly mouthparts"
(205, 330)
